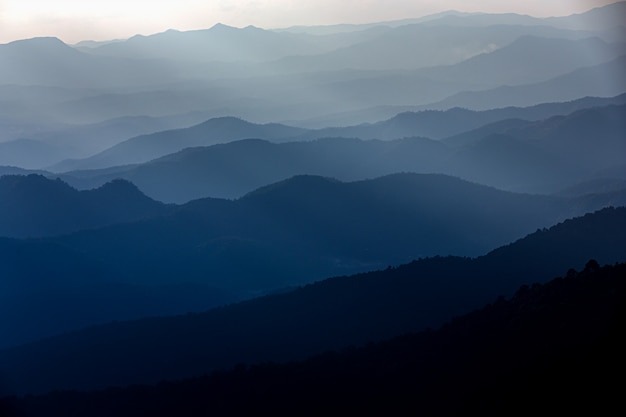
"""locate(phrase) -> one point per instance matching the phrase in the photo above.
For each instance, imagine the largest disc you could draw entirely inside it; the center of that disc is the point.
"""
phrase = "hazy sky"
(75, 20)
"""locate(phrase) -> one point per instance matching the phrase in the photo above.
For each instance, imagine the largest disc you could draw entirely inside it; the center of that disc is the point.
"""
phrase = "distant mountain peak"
(41, 45)
(120, 184)
(39, 41)
(228, 119)
(225, 121)
(251, 28)
(297, 182)
(221, 27)
(120, 188)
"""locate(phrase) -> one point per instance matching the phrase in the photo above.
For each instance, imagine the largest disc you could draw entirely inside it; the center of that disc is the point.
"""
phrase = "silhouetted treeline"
(328, 315)
(35, 206)
(554, 347)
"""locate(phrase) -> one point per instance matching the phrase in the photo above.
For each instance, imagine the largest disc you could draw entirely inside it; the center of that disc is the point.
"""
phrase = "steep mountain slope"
(146, 147)
(233, 169)
(501, 61)
(287, 234)
(331, 314)
(547, 155)
(34, 206)
(565, 333)
(38, 147)
(329, 226)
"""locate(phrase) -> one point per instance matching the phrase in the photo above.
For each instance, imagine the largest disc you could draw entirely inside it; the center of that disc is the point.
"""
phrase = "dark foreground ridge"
(325, 316)
(554, 347)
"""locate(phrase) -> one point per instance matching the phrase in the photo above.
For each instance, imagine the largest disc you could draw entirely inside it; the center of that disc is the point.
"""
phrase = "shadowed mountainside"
(310, 226)
(36, 147)
(440, 124)
(287, 234)
(565, 333)
(331, 314)
(146, 147)
(34, 206)
(601, 80)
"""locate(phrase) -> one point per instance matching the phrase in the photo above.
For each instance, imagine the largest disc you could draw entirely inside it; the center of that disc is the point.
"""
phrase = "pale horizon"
(74, 21)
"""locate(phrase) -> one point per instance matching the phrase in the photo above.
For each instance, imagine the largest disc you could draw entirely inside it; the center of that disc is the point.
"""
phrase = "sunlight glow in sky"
(75, 20)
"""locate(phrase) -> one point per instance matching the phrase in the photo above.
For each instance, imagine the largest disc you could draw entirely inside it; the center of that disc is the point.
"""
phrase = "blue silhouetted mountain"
(328, 315)
(231, 170)
(440, 124)
(413, 46)
(597, 19)
(218, 130)
(50, 62)
(526, 61)
(554, 153)
(529, 59)
(474, 136)
(34, 206)
(539, 157)
(265, 51)
(287, 234)
(385, 112)
(179, 72)
(435, 124)
(317, 221)
(609, 16)
(60, 142)
(603, 80)
(98, 87)
(11, 170)
(221, 43)
(46, 147)
(565, 333)
(500, 61)
(23, 61)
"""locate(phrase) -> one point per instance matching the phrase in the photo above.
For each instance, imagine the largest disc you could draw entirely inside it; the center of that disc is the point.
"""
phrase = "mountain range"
(270, 221)
(267, 76)
(542, 156)
(147, 147)
(286, 234)
(33, 206)
(328, 315)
